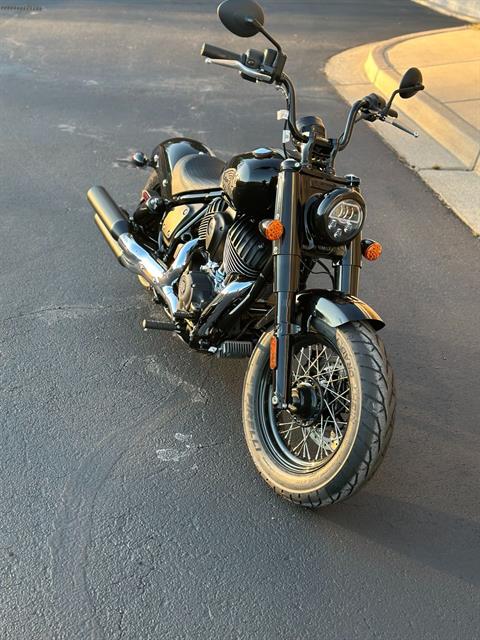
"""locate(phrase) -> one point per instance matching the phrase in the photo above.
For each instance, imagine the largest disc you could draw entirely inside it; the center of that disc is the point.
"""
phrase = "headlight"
(338, 217)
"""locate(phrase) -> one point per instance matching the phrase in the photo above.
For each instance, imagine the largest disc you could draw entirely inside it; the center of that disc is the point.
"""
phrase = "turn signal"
(273, 352)
(371, 250)
(271, 229)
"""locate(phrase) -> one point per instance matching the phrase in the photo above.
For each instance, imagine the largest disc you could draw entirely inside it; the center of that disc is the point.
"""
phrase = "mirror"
(411, 83)
(239, 16)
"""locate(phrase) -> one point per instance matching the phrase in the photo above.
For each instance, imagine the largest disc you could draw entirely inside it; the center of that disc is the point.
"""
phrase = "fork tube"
(347, 270)
(286, 263)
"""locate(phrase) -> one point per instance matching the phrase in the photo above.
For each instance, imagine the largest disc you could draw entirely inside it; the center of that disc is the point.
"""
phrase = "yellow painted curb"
(456, 135)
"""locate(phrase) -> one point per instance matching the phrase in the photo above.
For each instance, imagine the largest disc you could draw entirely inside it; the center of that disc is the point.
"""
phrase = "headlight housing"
(337, 217)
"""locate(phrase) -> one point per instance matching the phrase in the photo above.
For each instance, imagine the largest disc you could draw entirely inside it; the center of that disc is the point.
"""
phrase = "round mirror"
(411, 83)
(238, 16)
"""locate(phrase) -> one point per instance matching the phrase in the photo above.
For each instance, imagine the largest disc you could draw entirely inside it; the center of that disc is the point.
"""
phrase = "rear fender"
(334, 309)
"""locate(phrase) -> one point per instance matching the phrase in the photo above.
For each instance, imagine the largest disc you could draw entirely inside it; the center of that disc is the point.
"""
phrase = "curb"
(451, 131)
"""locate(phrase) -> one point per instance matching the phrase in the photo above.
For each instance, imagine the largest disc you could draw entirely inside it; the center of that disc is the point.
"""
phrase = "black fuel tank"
(250, 181)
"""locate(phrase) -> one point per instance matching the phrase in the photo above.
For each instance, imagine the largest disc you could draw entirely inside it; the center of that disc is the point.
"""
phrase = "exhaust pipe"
(114, 227)
(109, 239)
(112, 217)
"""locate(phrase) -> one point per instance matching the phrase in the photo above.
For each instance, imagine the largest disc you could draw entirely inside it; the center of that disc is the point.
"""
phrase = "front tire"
(322, 460)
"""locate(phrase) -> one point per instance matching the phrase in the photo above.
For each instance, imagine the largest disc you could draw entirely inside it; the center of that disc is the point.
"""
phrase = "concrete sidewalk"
(447, 156)
(468, 10)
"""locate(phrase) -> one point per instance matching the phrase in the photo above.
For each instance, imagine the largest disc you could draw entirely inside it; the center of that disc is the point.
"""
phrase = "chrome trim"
(182, 258)
(222, 300)
(113, 225)
(140, 261)
(135, 258)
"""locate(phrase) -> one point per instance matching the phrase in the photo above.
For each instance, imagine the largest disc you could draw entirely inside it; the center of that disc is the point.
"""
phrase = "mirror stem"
(263, 31)
(386, 109)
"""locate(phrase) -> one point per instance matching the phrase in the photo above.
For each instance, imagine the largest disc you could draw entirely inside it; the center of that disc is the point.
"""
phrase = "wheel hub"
(307, 401)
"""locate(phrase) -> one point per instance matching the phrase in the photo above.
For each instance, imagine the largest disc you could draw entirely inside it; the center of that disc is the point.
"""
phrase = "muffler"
(114, 227)
(112, 217)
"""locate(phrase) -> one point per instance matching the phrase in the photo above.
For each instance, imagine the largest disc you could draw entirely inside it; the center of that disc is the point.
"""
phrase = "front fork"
(286, 277)
(346, 272)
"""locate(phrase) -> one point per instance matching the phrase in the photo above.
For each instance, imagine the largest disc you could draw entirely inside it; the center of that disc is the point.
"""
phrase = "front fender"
(334, 309)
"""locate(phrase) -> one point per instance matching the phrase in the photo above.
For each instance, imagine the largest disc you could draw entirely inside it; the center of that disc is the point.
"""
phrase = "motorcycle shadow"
(430, 515)
(440, 540)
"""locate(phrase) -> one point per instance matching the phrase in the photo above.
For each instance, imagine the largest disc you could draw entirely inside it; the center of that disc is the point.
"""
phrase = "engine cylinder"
(246, 250)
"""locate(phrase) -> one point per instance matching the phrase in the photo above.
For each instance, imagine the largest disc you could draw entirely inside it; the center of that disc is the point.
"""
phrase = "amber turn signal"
(371, 250)
(271, 229)
(273, 352)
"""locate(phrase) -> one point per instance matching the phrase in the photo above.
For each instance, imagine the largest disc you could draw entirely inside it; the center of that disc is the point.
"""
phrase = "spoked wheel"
(334, 434)
(309, 434)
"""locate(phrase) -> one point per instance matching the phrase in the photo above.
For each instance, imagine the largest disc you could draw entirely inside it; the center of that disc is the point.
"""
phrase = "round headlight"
(345, 220)
(339, 216)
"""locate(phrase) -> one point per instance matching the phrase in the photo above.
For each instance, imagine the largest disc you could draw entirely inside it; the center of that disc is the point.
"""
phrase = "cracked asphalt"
(128, 505)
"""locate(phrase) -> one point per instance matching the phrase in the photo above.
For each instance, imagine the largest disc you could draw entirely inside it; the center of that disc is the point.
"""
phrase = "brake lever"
(372, 116)
(235, 64)
(415, 134)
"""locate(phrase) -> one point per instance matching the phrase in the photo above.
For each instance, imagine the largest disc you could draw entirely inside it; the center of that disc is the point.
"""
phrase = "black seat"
(196, 172)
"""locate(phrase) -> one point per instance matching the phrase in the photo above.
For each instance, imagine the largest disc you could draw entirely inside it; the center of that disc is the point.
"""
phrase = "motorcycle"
(227, 249)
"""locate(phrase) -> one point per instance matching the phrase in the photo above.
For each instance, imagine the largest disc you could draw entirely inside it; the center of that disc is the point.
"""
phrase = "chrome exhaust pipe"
(110, 214)
(114, 227)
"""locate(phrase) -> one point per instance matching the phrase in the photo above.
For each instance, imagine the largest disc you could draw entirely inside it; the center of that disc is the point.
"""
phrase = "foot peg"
(234, 349)
(158, 326)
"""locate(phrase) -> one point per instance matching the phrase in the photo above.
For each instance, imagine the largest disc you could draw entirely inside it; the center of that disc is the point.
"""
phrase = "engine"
(233, 240)
(235, 249)
(195, 290)
(246, 251)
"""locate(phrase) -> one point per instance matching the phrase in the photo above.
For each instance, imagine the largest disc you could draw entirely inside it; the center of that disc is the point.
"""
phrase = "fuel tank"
(249, 181)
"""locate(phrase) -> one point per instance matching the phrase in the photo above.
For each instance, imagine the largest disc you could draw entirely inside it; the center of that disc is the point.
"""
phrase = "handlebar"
(217, 53)
(371, 107)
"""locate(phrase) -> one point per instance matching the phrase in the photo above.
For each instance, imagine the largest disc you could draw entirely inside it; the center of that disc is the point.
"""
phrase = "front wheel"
(335, 436)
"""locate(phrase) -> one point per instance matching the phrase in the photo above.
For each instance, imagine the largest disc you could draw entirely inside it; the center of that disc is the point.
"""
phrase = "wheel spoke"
(339, 395)
(291, 428)
(316, 362)
(335, 424)
(300, 364)
(311, 438)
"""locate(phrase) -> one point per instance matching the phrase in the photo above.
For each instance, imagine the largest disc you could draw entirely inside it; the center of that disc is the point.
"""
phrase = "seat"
(196, 172)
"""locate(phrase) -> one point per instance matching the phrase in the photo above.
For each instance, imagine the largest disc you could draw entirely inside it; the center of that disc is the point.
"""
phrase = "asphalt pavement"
(129, 507)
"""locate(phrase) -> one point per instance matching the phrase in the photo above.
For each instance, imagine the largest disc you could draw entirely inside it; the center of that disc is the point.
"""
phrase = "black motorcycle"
(227, 249)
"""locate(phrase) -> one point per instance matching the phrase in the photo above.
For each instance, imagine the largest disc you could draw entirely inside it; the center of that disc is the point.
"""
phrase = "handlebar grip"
(217, 53)
(392, 113)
